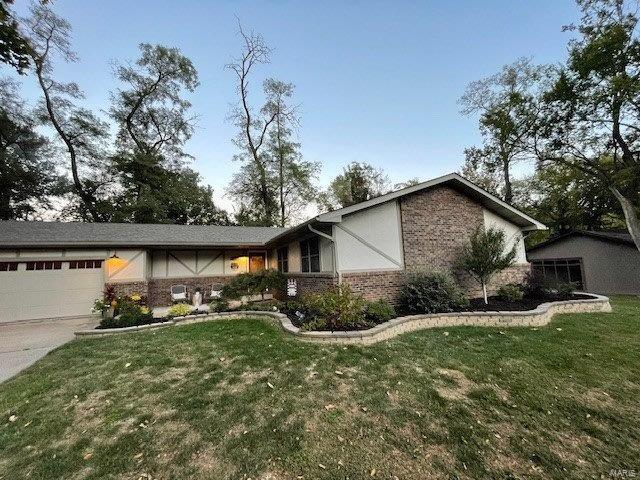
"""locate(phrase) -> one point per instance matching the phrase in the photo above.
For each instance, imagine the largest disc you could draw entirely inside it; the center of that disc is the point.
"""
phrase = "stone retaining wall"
(532, 318)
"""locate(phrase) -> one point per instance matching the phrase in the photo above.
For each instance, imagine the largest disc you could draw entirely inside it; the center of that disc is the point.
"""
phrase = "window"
(82, 264)
(310, 255)
(560, 270)
(44, 265)
(283, 259)
(8, 266)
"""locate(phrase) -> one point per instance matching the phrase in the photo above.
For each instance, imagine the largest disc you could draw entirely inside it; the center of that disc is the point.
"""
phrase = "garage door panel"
(36, 294)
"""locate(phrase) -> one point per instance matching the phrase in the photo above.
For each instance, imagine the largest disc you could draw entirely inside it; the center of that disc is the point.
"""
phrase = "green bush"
(128, 313)
(431, 293)
(566, 289)
(510, 293)
(338, 307)
(536, 286)
(255, 283)
(379, 311)
(180, 310)
(219, 305)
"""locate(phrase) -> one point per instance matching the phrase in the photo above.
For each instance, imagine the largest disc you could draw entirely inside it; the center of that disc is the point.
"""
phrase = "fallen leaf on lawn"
(340, 463)
(222, 359)
(138, 455)
(446, 334)
(322, 466)
(28, 423)
(559, 329)
(88, 455)
(340, 439)
(329, 407)
(270, 386)
(372, 472)
(338, 372)
(13, 418)
(364, 409)
(127, 365)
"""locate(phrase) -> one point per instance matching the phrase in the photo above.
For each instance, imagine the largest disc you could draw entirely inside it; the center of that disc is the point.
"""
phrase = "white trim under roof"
(524, 221)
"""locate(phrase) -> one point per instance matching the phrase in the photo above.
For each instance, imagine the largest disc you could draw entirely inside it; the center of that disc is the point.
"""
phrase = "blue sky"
(377, 81)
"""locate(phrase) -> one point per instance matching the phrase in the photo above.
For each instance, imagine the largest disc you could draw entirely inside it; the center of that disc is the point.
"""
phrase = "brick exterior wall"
(311, 282)
(515, 274)
(376, 285)
(436, 224)
(129, 288)
(160, 288)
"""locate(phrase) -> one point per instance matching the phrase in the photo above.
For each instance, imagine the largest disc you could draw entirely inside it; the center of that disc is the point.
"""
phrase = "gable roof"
(76, 234)
(488, 200)
(620, 238)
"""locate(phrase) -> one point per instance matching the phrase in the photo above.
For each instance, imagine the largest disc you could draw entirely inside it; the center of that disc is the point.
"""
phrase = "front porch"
(203, 270)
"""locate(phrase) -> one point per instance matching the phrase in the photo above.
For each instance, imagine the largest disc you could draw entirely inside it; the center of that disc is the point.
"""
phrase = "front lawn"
(240, 399)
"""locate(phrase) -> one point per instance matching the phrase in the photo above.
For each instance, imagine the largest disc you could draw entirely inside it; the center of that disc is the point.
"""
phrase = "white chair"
(216, 291)
(178, 293)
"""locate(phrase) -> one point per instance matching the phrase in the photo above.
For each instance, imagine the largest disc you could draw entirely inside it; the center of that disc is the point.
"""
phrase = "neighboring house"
(599, 262)
(57, 269)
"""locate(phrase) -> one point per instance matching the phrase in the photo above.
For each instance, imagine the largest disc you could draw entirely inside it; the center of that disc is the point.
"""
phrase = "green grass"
(195, 402)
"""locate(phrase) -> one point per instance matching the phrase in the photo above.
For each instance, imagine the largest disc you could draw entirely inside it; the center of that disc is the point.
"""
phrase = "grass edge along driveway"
(239, 399)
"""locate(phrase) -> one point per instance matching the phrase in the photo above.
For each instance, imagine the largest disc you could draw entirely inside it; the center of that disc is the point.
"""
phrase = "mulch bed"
(527, 303)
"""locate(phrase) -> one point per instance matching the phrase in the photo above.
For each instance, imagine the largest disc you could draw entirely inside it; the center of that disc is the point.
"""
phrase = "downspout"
(333, 250)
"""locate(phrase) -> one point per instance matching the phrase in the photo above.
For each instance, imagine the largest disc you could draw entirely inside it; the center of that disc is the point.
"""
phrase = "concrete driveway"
(24, 343)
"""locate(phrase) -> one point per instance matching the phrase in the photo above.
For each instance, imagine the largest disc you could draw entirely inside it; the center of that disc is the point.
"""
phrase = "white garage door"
(49, 289)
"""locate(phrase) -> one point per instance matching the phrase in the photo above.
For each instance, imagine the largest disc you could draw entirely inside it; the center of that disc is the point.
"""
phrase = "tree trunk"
(282, 208)
(630, 215)
(5, 195)
(508, 190)
(88, 199)
(484, 293)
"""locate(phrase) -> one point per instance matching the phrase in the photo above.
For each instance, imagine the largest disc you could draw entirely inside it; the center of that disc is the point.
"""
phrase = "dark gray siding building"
(601, 262)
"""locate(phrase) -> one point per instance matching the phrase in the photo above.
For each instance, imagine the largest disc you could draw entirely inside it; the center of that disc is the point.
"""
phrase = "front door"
(257, 261)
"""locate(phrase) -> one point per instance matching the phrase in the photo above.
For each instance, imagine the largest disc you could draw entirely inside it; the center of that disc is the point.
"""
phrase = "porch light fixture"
(114, 257)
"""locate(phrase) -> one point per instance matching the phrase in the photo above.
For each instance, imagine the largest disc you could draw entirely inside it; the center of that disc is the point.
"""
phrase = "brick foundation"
(376, 285)
(160, 288)
(311, 282)
(125, 289)
(514, 274)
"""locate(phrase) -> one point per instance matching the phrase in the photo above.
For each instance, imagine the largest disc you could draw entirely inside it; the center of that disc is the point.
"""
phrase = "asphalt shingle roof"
(76, 234)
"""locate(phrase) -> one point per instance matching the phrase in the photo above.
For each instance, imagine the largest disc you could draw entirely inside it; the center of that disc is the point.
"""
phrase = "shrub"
(431, 293)
(128, 314)
(379, 311)
(219, 305)
(486, 255)
(535, 285)
(510, 293)
(566, 289)
(180, 310)
(338, 307)
(255, 283)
